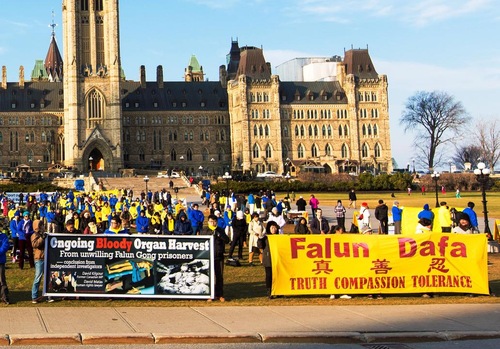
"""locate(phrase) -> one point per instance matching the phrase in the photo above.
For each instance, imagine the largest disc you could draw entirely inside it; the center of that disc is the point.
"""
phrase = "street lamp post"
(227, 177)
(450, 162)
(435, 178)
(146, 180)
(413, 161)
(200, 169)
(287, 177)
(483, 176)
(39, 162)
(90, 163)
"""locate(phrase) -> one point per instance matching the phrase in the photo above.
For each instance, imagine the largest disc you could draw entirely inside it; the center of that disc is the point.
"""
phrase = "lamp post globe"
(483, 177)
(435, 178)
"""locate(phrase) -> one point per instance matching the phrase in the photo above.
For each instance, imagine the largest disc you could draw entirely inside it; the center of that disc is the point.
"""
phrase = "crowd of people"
(242, 221)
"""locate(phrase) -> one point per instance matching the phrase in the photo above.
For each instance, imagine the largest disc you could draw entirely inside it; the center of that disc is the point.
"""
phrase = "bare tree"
(437, 118)
(488, 136)
(467, 154)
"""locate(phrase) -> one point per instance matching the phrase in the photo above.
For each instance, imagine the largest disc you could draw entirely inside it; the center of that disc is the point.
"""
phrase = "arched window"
(261, 131)
(284, 152)
(255, 131)
(375, 130)
(329, 130)
(96, 108)
(363, 130)
(310, 129)
(204, 154)
(297, 132)
(344, 151)
(44, 137)
(285, 132)
(328, 150)
(267, 131)
(378, 150)
(1, 137)
(316, 131)
(323, 130)
(346, 130)
(365, 151)
(222, 155)
(302, 131)
(369, 130)
(314, 151)
(173, 155)
(340, 131)
(269, 151)
(256, 151)
(300, 151)
(189, 155)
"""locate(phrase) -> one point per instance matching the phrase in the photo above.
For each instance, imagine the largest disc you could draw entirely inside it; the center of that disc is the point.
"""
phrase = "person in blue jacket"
(397, 213)
(4, 247)
(15, 234)
(142, 223)
(196, 217)
(24, 230)
(183, 225)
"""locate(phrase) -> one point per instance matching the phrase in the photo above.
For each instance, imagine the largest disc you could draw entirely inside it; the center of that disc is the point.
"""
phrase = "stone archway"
(96, 160)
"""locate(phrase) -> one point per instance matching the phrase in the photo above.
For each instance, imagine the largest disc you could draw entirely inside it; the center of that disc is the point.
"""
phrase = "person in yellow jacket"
(105, 212)
(444, 217)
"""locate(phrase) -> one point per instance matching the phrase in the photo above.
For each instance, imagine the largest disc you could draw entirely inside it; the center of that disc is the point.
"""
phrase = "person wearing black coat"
(301, 204)
(220, 241)
(381, 213)
(272, 228)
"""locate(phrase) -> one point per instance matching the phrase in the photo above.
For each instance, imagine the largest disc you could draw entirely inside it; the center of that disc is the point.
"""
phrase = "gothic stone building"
(85, 115)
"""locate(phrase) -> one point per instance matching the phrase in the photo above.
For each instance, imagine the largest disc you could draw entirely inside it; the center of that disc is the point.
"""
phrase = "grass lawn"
(244, 286)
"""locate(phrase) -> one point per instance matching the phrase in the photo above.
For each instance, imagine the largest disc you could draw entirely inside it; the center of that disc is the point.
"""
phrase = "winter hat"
(240, 215)
(364, 204)
(17, 214)
(464, 216)
(426, 207)
(217, 213)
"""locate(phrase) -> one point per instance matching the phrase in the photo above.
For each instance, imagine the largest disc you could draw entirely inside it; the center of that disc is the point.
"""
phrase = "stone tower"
(92, 77)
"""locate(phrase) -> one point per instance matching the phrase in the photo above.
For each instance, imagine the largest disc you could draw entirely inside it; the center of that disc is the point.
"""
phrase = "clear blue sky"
(447, 45)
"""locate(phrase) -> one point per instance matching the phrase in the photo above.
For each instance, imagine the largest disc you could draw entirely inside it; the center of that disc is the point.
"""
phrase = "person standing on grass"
(272, 228)
(340, 211)
(352, 199)
(397, 214)
(301, 204)
(220, 241)
(14, 233)
(256, 231)
(381, 213)
(4, 247)
(314, 203)
(38, 243)
(240, 228)
(25, 229)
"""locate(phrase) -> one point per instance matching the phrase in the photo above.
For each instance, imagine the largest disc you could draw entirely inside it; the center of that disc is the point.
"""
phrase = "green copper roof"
(39, 72)
(194, 64)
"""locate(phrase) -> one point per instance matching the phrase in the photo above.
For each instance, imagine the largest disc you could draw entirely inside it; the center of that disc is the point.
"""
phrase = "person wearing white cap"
(276, 217)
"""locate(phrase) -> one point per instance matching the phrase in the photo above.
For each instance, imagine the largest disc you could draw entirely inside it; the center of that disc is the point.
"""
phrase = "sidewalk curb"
(243, 337)
(117, 338)
(186, 338)
(313, 337)
(44, 339)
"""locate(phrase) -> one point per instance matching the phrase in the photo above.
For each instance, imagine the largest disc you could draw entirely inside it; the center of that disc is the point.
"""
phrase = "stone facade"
(248, 122)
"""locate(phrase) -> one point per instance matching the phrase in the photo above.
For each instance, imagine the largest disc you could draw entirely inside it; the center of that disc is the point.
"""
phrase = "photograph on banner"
(372, 264)
(129, 266)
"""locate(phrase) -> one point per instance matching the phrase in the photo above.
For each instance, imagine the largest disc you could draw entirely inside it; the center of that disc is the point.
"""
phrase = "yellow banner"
(372, 264)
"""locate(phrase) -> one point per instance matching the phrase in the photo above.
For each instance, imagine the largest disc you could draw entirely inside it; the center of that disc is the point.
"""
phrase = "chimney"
(269, 67)
(159, 76)
(4, 77)
(21, 77)
(143, 76)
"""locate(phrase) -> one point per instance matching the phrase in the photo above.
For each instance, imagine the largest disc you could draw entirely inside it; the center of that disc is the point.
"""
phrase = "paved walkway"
(226, 324)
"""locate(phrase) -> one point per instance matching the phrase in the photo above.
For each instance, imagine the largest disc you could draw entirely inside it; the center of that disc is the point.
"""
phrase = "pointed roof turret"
(194, 71)
(53, 61)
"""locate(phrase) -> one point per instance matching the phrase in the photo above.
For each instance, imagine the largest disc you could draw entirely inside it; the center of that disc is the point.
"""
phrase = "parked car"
(268, 174)
(162, 175)
(174, 174)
